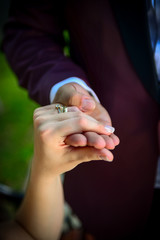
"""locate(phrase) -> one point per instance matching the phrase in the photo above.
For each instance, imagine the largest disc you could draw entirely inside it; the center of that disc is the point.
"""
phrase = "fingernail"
(110, 129)
(87, 104)
(105, 158)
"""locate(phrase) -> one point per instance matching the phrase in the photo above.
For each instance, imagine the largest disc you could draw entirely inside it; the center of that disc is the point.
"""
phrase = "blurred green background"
(16, 129)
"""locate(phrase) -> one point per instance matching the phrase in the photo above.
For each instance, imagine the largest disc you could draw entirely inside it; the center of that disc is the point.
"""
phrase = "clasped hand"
(62, 141)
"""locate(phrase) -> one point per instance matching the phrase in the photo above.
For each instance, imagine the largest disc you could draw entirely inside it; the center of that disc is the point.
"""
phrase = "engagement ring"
(61, 108)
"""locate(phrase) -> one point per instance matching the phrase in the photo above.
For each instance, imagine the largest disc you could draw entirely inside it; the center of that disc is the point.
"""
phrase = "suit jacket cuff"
(55, 88)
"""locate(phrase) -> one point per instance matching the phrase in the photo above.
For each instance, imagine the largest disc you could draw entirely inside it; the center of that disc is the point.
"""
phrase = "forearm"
(41, 213)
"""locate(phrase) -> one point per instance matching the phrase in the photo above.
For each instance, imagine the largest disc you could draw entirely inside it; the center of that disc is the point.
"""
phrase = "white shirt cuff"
(55, 88)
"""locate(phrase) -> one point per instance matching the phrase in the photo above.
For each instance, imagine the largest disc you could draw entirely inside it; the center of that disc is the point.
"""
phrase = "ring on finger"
(61, 108)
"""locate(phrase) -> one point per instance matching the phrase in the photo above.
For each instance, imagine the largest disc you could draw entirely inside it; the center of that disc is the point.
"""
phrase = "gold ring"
(61, 108)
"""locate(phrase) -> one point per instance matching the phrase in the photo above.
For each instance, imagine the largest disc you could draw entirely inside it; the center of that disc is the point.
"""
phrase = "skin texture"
(40, 216)
(72, 94)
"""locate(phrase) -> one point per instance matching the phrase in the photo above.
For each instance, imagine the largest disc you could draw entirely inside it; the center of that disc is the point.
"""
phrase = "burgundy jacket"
(109, 43)
(34, 43)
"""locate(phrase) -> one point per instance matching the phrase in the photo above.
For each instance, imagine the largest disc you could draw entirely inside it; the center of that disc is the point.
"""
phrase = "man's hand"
(72, 94)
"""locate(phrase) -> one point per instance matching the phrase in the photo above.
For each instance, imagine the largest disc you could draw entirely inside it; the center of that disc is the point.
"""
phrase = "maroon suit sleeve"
(33, 44)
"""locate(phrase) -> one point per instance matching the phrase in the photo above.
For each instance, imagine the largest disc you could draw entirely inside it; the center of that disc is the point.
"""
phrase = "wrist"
(40, 174)
(77, 80)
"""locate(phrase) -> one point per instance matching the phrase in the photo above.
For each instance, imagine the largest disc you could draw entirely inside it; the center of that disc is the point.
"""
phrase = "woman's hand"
(42, 211)
(53, 154)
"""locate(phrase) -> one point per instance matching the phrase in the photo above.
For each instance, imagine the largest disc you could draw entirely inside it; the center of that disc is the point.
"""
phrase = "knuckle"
(43, 135)
(82, 121)
(38, 120)
(100, 126)
(36, 112)
(47, 133)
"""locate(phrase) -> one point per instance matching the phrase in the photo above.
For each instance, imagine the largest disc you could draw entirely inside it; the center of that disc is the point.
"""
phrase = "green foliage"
(16, 128)
(66, 37)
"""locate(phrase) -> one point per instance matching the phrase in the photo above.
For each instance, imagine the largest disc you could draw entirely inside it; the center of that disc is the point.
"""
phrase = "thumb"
(73, 94)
